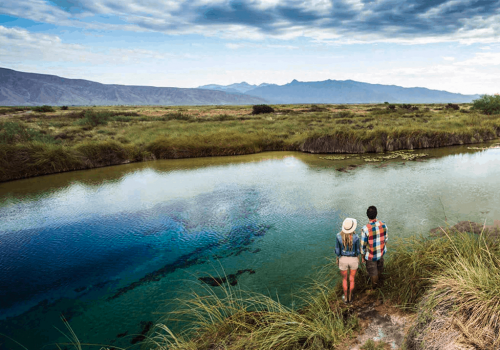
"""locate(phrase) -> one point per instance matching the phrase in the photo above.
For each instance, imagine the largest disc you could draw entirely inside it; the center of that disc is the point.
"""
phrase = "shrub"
(488, 104)
(64, 108)
(43, 109)
(176, 116)
(262, 109)
(452, 106)
(15, 132)
(343, 114)
(316, 108)
(391, 107)
(94, 119)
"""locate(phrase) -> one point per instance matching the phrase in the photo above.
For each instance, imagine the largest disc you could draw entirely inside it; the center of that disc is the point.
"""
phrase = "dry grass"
(179, 132)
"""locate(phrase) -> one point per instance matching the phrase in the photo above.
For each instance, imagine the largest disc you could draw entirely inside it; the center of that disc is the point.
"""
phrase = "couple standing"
(371, 247)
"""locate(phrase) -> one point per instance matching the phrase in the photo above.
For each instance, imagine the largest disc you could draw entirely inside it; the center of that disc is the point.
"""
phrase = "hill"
(30, 89)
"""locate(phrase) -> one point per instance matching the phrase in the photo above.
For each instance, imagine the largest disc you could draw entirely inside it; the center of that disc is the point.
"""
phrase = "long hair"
(347, 239)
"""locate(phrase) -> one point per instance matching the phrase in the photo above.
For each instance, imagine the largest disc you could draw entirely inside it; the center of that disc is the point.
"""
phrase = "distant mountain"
(235, 88)
(21, 89)
(349, 91)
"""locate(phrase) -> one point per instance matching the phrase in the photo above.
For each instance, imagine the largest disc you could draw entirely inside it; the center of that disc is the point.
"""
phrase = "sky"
(451, 45)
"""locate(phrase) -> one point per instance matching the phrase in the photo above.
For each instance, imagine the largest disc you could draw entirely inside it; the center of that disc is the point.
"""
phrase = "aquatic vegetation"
(405, 155)
(232, 278)
(237, 241)
(341, 157)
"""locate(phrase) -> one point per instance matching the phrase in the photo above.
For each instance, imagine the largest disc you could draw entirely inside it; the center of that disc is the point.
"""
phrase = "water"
(108, 247)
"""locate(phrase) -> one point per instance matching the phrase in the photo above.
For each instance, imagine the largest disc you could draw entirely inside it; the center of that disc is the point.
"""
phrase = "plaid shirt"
(373, 240)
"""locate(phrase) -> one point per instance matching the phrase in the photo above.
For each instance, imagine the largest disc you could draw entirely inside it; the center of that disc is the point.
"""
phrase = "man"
(373, 245)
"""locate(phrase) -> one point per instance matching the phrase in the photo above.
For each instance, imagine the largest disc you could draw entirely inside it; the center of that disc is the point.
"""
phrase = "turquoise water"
(109, 247)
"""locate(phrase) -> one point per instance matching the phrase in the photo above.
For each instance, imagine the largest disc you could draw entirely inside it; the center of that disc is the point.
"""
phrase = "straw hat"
(349, 225)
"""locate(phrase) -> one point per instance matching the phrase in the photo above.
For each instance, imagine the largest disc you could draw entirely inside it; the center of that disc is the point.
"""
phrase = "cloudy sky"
(451, 45)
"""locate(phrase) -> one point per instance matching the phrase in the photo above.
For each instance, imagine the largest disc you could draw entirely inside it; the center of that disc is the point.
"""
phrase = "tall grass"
(244, 320)
(454, 284)
(455, 277)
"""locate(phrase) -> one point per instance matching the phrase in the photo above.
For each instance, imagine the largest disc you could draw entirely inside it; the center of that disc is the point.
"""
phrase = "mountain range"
(234, 88)
(347, 91)
(29, 89)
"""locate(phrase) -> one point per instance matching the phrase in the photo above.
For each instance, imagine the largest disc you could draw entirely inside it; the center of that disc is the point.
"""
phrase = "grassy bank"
(36, 142)
(451, 283)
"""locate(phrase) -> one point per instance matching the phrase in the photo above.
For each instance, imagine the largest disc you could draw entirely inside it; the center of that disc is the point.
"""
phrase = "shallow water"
(109, 247)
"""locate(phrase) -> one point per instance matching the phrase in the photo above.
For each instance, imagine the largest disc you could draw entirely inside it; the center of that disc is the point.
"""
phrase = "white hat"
(349, 225)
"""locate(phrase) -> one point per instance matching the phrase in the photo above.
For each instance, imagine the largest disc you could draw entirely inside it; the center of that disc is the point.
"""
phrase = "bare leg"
(344, 283)
(352, 275)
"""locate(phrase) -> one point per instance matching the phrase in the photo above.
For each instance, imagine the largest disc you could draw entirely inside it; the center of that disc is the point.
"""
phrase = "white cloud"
(236, 46)
(449, 58)
(482, 59)
(21, 45)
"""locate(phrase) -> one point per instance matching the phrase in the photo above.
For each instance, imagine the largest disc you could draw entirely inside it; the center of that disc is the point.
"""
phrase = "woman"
(347, 250)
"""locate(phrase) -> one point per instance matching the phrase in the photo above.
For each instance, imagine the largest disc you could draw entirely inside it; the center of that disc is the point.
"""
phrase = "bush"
(95, 118)
(452, 106)
(316, 108)
(391, 107)
(488, 104)
(176, 116)
(409, 107)
(64, 108)
(43, 109)
(262, 109)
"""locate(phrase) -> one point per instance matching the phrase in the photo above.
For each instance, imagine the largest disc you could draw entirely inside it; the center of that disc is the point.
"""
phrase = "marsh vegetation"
(52, 140)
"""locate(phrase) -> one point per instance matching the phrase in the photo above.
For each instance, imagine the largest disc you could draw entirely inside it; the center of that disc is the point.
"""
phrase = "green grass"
(457, 274)
(179, 132)
(234, 319)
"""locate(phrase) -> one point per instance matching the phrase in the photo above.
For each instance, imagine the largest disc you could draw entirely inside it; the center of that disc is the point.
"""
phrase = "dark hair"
(371, 212)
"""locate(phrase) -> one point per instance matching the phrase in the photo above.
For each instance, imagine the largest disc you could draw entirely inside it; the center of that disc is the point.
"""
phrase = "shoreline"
(322, 145)
(36, 144)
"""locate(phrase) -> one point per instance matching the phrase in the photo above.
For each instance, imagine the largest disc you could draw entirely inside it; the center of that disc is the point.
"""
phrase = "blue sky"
(451, 45)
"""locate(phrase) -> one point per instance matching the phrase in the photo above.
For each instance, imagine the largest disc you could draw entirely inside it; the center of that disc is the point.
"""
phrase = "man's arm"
(386, 230)
(363, 243)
